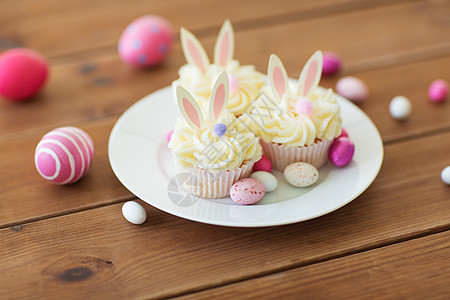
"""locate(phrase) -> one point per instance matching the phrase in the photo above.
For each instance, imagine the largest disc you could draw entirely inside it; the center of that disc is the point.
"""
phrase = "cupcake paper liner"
(204, 184)
(282, 156)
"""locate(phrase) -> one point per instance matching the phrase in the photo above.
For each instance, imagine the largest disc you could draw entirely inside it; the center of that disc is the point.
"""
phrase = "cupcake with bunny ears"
(297, 122)
(198, 75)
(214, 147)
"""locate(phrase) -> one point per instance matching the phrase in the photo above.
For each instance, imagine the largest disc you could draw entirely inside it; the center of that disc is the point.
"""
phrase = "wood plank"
(416, 269)
(84, 25)
(96, 252)
(26, 196)
(97, 85)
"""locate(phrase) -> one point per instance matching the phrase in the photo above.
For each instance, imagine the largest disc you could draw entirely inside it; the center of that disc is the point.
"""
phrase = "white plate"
(140, 158)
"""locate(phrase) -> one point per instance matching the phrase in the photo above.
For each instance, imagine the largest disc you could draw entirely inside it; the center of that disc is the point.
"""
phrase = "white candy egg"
(400, 108)
(270, 182)
(134, 212)
(445, 175)
(301, 174)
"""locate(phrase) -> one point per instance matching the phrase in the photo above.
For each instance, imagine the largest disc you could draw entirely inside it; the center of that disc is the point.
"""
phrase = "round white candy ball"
(270, 182)
(134, 212)
(445, 175)
(400, 108)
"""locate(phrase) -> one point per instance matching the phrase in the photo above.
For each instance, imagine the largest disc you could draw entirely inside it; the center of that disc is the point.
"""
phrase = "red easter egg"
(23, 72)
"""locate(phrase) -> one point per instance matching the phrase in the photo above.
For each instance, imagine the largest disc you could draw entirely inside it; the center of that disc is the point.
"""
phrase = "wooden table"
(73, 242)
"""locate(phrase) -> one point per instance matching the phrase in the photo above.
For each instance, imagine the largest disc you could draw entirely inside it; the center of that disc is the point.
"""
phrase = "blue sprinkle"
(162, 48)
(137, 44)
(142, 58)
(220, 129)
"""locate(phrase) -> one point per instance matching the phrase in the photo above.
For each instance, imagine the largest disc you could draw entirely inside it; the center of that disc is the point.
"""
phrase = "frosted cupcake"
(214, 147)
(296, 123)
(198, 75)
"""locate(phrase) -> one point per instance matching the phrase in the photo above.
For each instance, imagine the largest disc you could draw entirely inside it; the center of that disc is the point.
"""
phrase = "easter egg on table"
(352, 88)
(301, 174)
(438, 91)
(134, 213)
(400, 108)
(23, 73)
(64, 155)
(247, 191)
(331, 63)
(146, 41)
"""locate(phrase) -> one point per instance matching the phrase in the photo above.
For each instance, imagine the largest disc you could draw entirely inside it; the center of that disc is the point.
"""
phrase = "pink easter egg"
(343, 133)
(438, 91)
(23, 72)
(169, 136)
(64, 155)
(331, 63)
(146, 41)
(352, 88)
(341, 151)
(264, 164)
(247, 191)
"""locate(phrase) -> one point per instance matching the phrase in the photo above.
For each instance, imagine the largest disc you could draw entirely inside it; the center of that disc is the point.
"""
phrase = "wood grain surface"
(392, 242)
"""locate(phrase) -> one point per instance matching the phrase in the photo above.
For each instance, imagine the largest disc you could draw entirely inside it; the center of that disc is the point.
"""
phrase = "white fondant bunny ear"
(224, 48)
(189, 108)
(219, 97)
(193, 50)
(310, 76)
(278, 79)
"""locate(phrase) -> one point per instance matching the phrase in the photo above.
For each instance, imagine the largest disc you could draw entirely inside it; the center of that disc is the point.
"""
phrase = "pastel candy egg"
(341, 151)
(146, 41)
(247, 191)
(301, 174)
(445, 175)
(438, 90)
(134, 213)
(352, 88)
(23, 72)
(331, 63)
(270, 182)
(64, 155)
(343, 133)
(264, 164)
(400, 108)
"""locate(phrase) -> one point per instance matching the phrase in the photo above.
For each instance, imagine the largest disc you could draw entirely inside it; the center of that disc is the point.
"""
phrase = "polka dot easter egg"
(64, 155)
(247, 191)
(146, 41)
(301, 174)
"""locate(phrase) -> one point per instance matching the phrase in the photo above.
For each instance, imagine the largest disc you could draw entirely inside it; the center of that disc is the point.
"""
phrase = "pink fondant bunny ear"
(219, 97)
(224, 48)
(310, 76)
(193, 50)
(278, 79)
(189, 108)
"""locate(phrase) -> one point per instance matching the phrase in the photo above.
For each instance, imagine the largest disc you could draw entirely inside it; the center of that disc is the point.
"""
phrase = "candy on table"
(146, 41)
(331, 63)
(64, 155)
(352, 88)
(134, 213)
(264, 164)
(247, 191)
(400, 108)
(301, 174)
(438, 90)
(445, 175)
(23, 73)
(341, 151)
(270, 182)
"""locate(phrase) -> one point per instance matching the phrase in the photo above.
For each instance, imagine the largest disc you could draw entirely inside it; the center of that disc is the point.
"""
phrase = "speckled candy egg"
(247, 191)
(64, 155)
(23, 72)
(146, 41)
(301, 174)
(352, 88)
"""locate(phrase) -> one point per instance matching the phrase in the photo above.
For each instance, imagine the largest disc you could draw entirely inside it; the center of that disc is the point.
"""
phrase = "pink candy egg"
(247, 191)
(438, 90)
(64, 155)
(23, 72)
(264, 164)
(343, 133)
(341, 151)
(331, 63)
(146, 41)
(352, 88)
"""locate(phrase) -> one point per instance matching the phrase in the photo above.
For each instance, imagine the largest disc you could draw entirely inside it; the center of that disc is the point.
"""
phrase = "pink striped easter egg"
(64, 155)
